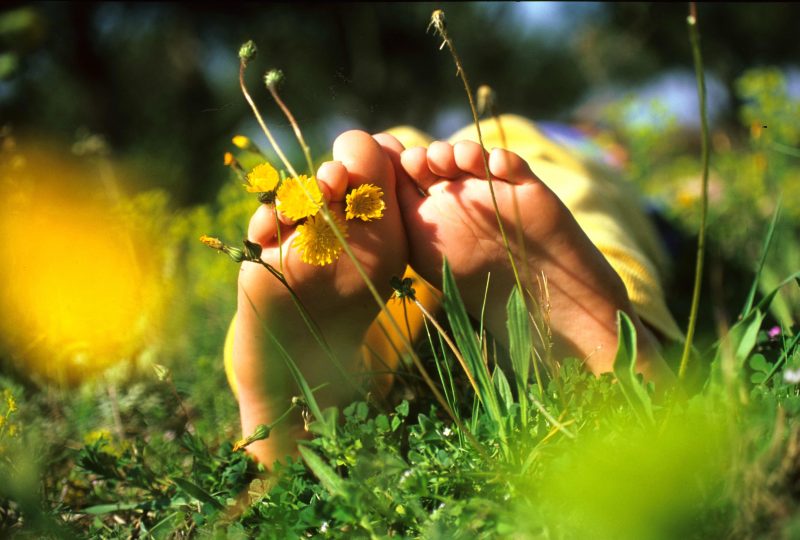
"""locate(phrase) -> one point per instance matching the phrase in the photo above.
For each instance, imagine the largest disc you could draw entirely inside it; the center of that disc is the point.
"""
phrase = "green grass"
(146, 450)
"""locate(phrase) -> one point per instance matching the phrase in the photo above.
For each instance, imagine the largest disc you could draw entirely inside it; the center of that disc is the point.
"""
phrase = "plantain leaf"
(327, 476)
(503, 389)
(107, 508)
(197, 492)
(625, 369)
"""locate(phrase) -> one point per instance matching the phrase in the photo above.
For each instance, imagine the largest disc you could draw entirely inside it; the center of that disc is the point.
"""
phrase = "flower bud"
(162, 372)
(437, 21)
(261, 432)
(247, 52)
(487, 99)
(244, 143)
(273, 78)
(298, 401)
(213, 243)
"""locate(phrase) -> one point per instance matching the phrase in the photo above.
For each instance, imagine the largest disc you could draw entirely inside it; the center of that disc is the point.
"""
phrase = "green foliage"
(135, 455)
(625, 369)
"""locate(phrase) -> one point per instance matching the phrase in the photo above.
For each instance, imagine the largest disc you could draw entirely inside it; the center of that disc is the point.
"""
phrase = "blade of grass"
(520, 347)
(762, 259)
(295, 372)
(438, 23)
(781, 359)
(469, 346)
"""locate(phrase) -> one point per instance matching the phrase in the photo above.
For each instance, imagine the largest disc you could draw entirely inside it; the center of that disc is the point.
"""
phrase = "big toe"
(365, 161)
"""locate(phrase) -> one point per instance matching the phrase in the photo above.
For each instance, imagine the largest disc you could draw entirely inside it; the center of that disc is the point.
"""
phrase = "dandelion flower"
(262, 178)
(365, 203)
(316, 241)
(299, 197)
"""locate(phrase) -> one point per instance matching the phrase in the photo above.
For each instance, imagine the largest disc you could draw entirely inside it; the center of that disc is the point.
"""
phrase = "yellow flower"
(262, 178)
(213, 243)
(316, 241)
(11, 404)
(299, 197)
(244, 143)
(365, 203)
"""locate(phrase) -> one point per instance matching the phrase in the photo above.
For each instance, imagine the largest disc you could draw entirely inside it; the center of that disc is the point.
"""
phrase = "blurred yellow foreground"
(76, 293)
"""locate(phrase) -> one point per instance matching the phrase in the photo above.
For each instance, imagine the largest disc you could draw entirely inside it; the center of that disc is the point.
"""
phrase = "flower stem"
(312, 325)
(346, 247)
(438, 23)
(694, 37)
(263, 125)
(299, 134)
(449, 344)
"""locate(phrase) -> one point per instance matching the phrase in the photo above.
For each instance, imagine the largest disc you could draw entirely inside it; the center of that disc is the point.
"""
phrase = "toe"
(469, 157)
(364, 160)
(441, 160)
(407, 192)
(390, 144)
(262, 228)
(415, 163)
(508, 166)
(332, 178)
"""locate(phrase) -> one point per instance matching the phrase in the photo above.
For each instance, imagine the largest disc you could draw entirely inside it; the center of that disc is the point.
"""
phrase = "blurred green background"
(136, 103)
(117, 116)
(158, 80)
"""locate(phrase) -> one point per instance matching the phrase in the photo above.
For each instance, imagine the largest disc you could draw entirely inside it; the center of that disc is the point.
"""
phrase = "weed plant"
(148, 448)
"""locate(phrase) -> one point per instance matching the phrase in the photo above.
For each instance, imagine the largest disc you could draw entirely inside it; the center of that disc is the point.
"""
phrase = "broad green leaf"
(107, 508)
(197, 492)
(329, 417)
(327, 476)
(748, 339)
(503, 389)
(743, 335)
(784, 355)
(741, 338)
(625, 369)
(759, 363)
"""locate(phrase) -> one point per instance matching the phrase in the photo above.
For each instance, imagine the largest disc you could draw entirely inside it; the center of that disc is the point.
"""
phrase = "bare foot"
(335, 295)
(457, 220)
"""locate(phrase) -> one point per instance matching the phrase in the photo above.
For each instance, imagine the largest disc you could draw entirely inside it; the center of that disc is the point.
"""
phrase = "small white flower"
(792, 376)
(324, 527)
(405, 475)
(447, 432)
